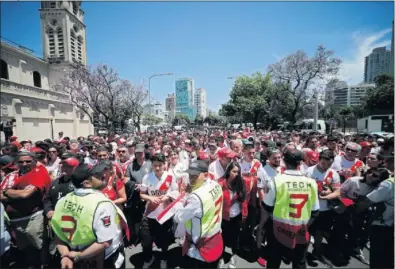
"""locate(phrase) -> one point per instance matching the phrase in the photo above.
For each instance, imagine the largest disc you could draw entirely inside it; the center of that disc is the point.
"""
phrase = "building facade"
(343, 95)
(392, 50)
(28, 82)
(170, 106)
(377, 62)
(185, 98)
(201, 102)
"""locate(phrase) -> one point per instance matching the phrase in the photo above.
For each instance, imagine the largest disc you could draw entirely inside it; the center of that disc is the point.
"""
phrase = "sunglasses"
(371, 158)
(351, 150)
(102, 156)
(121, 151)
(27, 161)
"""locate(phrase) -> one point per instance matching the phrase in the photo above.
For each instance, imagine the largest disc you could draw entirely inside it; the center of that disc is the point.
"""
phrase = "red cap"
(313, 155)
(13, 138)
(365, 144)
(121, 141)
(244, 135)
(226, 153)
(71, 162)
(36, 150)
(203, 156)
(17, 144)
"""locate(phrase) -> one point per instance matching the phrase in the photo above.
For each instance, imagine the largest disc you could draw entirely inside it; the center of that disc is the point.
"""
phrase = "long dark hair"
(237, 183)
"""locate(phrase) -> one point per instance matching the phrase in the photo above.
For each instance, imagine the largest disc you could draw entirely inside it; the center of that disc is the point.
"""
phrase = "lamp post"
(149, 87)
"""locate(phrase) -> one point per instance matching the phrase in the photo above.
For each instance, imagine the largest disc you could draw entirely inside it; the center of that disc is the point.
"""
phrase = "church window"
(4, 69)
(75, 8)
(36, 79)
(79, 48)
(72, 45)
(51, 40)
(60, 42)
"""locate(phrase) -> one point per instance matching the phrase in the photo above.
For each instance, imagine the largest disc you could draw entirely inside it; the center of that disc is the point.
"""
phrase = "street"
(134, 260)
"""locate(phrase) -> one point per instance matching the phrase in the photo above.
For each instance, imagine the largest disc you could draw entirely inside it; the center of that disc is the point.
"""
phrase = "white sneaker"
(221, 264)
(232, 262)
(147, 265)
(163, 264)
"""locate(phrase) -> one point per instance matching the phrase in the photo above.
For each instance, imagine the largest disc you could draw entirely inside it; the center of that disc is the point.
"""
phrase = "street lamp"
(149, 87)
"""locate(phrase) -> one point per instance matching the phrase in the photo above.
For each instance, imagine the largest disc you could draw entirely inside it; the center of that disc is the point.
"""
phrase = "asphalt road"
(134, 259)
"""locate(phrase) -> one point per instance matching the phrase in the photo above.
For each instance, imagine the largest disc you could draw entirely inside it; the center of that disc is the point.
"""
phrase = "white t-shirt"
(352, 188)
(151, 184)
(314, 173)
(105, 225)
(341, 163)
(268, 173)
(303, 168)
(215, 170)
(246, 168)
(234, 210)
(384, 193)
(270, 195)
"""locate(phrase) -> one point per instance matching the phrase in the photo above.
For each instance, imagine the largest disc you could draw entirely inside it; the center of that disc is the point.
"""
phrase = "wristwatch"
(77, 258)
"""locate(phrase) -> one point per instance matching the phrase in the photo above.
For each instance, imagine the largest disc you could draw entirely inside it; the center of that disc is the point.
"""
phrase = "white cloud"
(352, 69)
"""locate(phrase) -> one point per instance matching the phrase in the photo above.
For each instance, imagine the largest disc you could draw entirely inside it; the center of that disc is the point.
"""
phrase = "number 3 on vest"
(70, 231)
(298, 206)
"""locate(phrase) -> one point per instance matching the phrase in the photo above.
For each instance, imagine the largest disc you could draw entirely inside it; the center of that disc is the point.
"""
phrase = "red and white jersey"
(9, 180)
(166, 185)
(340, 163)
(330, 178)
(353, 188)
(125, 165)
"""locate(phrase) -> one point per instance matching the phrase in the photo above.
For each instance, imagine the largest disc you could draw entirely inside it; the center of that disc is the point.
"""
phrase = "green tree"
(212, 120)
(300, 76)
(180, 120)
(151, 120)
(199, 120)
(380, 99)
(248, 98)
(345, 113)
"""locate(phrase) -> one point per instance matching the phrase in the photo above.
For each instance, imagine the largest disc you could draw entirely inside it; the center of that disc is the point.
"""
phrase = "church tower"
(63, 32)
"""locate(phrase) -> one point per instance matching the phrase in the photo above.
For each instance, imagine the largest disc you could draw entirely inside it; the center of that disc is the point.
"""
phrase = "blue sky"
(210, 41)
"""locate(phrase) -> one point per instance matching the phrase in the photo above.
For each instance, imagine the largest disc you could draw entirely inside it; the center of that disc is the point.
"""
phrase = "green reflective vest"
(210, 194)
(73, 219)
(295, 198)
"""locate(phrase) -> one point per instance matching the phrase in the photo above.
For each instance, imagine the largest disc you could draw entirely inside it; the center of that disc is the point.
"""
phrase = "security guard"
(87, 224)
(202, 217)
(292, 200)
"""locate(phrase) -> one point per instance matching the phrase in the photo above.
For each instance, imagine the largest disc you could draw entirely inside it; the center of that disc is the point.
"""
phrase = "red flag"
(166, 184)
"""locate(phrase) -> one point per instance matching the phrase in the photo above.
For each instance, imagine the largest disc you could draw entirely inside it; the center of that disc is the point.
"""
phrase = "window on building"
(36, 79)
(4, 69)
(52, 4)
(72, 44)
(75, 8)
(60, 42)
(79, 48)
(51, 41)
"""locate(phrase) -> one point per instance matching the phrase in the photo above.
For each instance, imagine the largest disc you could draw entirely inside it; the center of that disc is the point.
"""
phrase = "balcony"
(15, 88)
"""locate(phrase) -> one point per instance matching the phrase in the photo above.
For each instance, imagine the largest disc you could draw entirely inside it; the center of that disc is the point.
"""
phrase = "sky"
(211, 41)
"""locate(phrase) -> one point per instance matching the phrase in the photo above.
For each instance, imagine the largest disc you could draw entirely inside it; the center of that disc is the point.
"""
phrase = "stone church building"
(28, 82)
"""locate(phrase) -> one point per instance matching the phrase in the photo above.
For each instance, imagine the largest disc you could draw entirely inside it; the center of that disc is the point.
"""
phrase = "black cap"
(101, 166)
(292, 155)
(7, 161)
(81, 173)
(332, 138)
(140, 148)
(197, 167)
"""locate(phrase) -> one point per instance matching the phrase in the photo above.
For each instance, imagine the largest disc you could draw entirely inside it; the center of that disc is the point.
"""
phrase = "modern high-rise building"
(170, 106)
(376, 63)
(201, 102)
(329, 91)
(185, 98)
(343, 95)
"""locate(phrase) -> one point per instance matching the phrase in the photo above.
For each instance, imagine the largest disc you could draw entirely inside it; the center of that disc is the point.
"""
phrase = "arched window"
(72, 43)
(4, 69)
(80, 40)
(51, 40)
(75, 8)
(60, 42)
(37, 79)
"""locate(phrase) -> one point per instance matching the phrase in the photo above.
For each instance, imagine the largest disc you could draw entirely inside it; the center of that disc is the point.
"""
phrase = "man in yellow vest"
(88, 226)
(202, 217)
(291, 200)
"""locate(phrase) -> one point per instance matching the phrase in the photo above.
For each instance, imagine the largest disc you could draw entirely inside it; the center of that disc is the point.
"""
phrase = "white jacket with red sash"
(154, 186)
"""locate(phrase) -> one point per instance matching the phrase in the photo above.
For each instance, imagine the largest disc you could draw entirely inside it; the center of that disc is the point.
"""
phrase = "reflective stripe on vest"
(210, 195)
(73, 219)
(295, 198)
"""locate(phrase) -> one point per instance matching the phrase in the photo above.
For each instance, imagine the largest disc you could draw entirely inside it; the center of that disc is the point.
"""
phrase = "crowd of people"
(79, 203)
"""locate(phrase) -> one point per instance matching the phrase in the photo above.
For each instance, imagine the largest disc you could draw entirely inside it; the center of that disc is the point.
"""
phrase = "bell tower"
(63, 32)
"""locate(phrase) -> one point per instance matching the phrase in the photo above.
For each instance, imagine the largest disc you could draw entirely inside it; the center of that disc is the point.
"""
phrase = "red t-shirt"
(110, 192)
(38, 178)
